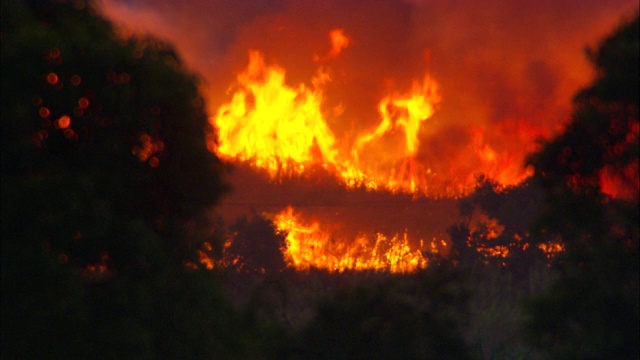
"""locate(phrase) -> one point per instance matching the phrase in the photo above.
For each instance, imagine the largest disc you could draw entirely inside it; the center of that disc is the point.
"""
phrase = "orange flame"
(551, 249)
(284, 130)
(308, 245)
(273, 125)
(287, 130)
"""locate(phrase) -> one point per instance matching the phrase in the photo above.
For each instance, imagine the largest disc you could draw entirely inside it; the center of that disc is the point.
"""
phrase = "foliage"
(590, 177)
(584, 196)
(255, 245)
(494, 246)
(415, 316)
(105, 177)
(495, 310)
(497, 228)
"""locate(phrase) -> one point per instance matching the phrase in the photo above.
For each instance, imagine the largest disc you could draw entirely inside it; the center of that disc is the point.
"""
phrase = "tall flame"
(504, 89)
(284, 130)
(308, 245)
(274, 125)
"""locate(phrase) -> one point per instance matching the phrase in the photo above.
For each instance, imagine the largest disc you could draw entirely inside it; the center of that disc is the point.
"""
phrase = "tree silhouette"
(590, 177)
(494, 246)
(105, 178)
(416, 316)
(255, 246)
(496, 227)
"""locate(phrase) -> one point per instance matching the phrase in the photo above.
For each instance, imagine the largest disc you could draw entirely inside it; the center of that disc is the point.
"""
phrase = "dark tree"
(255, 246)
(416, 316)
(590, 177)
(494, 246)
(105, 181)
(497, 227)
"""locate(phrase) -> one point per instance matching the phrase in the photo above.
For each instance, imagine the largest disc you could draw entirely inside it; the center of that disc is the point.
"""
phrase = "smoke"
(507, 72)
(497, 63)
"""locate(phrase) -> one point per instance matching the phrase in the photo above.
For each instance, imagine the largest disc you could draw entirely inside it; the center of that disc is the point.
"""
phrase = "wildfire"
(359, 117)
(285, 130)
(276, 127)
(551, 249)
(308, 245)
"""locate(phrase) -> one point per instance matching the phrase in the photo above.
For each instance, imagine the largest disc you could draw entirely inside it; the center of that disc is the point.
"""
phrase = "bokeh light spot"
(44, 112)
(63, 122)
(52, 78)
(154, 162)
(76, 80)
(83, 103)
(70, 134)
(54, 53)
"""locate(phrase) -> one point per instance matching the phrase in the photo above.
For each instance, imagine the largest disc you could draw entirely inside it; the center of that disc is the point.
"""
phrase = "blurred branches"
(105, 182)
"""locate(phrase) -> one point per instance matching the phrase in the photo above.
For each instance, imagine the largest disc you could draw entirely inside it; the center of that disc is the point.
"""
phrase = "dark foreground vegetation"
(106, 183)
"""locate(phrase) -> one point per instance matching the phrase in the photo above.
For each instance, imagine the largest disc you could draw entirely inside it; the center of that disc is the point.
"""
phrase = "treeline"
(107, 183)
